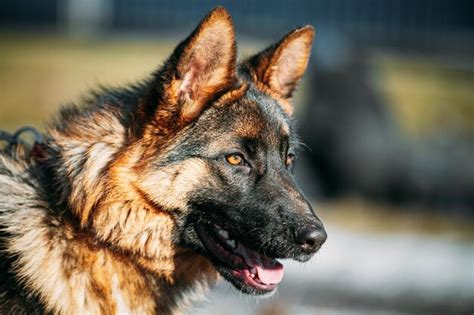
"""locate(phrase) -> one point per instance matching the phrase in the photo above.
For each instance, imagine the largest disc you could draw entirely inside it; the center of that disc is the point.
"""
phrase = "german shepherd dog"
(147, 194)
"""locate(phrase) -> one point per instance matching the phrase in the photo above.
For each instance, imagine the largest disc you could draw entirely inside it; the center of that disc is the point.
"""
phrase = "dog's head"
(229, 153)
(212, 157)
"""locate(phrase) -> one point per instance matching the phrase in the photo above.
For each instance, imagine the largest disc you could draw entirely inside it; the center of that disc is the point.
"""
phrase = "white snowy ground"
(358, 273)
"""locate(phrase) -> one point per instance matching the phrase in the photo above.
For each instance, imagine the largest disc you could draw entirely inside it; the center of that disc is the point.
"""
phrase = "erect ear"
(202, 66)
(281, 66)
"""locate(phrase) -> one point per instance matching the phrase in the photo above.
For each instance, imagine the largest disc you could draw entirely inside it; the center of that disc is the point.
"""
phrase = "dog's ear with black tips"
(279, 68)
(200, 68)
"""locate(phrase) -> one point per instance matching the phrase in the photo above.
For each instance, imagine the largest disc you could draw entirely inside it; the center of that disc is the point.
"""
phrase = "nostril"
(310, 242)
(311, 239)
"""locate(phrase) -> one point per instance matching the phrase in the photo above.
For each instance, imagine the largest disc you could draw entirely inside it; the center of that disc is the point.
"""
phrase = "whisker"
(300, 143)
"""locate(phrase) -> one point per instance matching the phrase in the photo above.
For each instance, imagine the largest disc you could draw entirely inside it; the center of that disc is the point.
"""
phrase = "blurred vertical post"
(85, 18)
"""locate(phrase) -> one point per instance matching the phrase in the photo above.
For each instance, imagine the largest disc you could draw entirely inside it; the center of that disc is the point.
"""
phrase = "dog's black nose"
(311, 239)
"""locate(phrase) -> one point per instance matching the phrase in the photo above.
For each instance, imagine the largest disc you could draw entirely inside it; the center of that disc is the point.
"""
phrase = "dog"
(145, 196)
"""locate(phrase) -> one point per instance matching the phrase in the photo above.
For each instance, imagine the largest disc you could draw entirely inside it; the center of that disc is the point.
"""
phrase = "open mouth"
(249, 270)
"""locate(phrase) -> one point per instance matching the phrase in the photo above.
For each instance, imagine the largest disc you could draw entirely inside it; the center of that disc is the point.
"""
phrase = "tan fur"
(121, 257)
(106, 245)
(288, 62)
(80, 145)
(205, 68)
(75, 274)
(278, 69)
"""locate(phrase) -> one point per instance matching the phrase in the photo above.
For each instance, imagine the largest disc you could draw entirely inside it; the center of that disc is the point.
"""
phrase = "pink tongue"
(270, 274)
(269, 271)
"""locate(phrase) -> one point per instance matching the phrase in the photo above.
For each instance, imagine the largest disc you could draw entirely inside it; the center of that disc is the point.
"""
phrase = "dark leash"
(15, 143)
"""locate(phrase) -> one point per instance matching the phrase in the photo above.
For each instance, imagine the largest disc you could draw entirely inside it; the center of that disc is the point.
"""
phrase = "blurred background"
(386, 110)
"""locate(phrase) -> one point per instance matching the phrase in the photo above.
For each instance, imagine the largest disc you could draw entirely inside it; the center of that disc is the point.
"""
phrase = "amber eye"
(290, 160)
(235, 159)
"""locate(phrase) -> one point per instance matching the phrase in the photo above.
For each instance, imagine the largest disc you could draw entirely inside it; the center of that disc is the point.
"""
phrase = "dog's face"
(225, 168)
(248, 210)
(199, 159)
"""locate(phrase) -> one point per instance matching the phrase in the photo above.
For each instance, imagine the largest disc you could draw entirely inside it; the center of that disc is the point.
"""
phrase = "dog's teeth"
(231, 243)
(224, 233)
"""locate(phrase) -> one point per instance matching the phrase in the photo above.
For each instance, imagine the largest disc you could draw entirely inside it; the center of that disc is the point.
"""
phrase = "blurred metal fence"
(375, 21)
(368, 18)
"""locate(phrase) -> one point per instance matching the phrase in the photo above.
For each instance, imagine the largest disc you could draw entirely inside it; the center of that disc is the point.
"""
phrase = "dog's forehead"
(252, 116)
(271, 110)
(256, 115)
